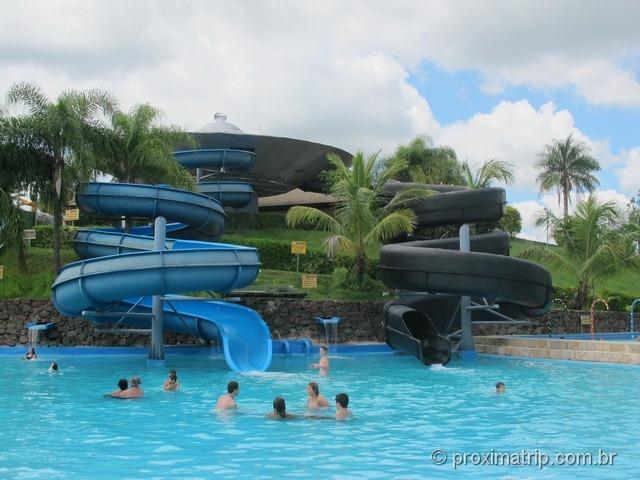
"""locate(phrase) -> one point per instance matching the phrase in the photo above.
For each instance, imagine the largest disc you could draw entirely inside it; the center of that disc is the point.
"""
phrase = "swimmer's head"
(313, 387)
(342, 399)
(323, 350)
(31, 350)
(232, 387)
(135, 382)
(279, 406)
(54, 366)
(123, 384)
(500, 387)
(173, 377)
(172, 371)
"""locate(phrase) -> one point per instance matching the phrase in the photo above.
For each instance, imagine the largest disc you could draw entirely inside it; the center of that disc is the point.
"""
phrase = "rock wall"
(287, 318)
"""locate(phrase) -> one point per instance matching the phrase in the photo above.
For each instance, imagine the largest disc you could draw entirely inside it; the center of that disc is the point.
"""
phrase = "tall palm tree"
(594, 246)
(62, 127)
(365, 213)
(136, 148)
(21, 165)
(567, 165)
(426, 163)
(486, 174)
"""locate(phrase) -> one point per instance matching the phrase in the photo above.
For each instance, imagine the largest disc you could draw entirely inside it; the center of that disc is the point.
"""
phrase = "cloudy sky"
(492, 79)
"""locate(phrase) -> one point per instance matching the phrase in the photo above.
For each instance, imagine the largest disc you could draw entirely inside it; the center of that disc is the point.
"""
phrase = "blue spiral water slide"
(122, 271)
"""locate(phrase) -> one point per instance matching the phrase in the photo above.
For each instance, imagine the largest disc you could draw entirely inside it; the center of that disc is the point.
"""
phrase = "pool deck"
(560, 349)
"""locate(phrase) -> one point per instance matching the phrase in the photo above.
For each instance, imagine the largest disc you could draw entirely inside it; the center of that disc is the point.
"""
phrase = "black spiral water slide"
(431, 276)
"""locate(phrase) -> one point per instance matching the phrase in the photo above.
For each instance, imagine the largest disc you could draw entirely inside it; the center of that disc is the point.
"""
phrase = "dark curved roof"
(282, 164)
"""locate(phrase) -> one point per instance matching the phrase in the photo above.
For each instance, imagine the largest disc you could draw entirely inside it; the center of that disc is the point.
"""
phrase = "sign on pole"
(299, 248)
(29, 234)
(1, 272)
(309, 280)
(72, 214)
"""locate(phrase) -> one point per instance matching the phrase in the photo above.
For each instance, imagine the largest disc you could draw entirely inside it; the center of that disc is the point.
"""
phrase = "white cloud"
(629, 174)
(530, 210)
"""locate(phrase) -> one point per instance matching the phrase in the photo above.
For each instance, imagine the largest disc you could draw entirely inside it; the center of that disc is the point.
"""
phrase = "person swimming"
(500, 387)
(31, 354)
(342, 402)
(134, 390)
(122, 386)
(53, 368)
(323, 363)
(280, 410)
(171, 383)
(227, 400)
(315, 399)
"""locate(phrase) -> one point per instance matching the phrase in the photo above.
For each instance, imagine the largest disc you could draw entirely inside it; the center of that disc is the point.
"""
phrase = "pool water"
(60, 425)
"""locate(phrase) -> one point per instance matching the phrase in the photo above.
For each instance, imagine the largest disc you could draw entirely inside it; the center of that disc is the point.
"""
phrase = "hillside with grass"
(278, 269)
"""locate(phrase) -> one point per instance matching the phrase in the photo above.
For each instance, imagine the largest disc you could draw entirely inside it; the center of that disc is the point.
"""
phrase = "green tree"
(365, 213)
(62, 128)
(21, 164)
(426, 163)
(135, 148)
(511, 222)
(567, 165)
(595, 247)
(486, 174)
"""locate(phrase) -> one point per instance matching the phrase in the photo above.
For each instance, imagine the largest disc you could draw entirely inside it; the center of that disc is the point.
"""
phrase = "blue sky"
(490, 78)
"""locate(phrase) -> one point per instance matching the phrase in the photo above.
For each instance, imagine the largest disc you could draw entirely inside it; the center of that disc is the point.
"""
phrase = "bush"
(44, 237)
(563, 296)
(276, 255)
(618, 302)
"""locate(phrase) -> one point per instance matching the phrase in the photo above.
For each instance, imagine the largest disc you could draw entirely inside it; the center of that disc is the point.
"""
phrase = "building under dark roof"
(281, 164)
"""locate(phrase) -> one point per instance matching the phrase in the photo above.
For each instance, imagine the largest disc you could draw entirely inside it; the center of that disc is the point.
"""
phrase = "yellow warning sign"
(298, 247)
(309, 280)
(72, 214)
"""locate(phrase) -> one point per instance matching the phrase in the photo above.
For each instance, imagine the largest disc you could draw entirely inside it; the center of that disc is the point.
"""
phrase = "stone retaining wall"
(361, 322)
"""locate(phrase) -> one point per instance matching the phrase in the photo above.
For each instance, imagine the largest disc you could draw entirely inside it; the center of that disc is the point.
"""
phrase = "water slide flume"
(126, 271)
(435, 273)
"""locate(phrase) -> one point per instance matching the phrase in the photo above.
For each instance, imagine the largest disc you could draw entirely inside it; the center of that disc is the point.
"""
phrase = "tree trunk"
(581, 296)
(565, 197)
(57, 213)
(360, 267)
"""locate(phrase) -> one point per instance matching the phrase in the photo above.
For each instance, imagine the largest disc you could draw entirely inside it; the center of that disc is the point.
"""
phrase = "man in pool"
(227, 401)
(122, 385)
(315, 399)
(323, 363)
(134, 390)
(500, 388)
(342, 402)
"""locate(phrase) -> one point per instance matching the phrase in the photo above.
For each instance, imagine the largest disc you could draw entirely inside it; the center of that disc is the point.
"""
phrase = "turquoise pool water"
(59, 426)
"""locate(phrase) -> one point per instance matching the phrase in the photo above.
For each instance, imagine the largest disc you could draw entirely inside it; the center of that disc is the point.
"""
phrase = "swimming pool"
(59, 426)
(609, 337)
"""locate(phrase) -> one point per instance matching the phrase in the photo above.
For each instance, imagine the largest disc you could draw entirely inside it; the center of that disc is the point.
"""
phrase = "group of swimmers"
(315, 400)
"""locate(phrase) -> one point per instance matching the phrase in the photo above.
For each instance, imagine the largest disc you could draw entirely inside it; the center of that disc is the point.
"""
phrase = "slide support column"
(156, 348)
(467, 347)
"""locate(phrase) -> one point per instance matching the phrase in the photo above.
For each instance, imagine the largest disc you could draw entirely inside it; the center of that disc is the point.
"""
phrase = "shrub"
(44, 237)
(618, 302)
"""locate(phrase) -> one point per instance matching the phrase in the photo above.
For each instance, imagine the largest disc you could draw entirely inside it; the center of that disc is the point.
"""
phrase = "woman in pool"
(31, 354)
(171, 383)
(280, 410)
(315, 399)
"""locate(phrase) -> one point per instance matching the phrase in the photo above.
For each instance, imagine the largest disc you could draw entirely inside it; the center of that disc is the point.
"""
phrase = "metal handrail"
(593, 314)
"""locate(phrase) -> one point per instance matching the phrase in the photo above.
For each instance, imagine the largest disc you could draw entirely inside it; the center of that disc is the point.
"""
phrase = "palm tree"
(567, 165)
(21, 165)
(594, 246)
(365, 214)
(426, 163)
(62, 128)
(489, 172)
(135, 148)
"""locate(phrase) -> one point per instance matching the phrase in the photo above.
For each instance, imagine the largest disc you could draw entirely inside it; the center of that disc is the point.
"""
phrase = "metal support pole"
(467, 348)
(198, 175)
(156, 348)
